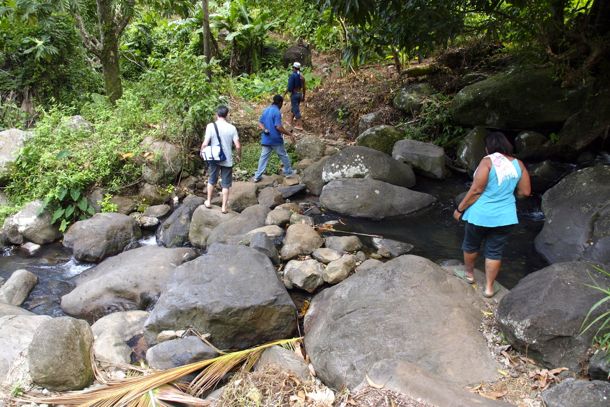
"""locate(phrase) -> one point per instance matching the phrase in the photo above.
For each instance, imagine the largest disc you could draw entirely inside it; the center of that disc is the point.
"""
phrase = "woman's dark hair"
(278, 100)
(222, 111)
(496, 142)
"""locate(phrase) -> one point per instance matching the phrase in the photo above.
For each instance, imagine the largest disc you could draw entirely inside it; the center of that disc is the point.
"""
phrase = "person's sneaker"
(255, 180)
(292, 175)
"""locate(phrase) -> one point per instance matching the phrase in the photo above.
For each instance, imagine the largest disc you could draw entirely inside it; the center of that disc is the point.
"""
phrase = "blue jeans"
(266, 154)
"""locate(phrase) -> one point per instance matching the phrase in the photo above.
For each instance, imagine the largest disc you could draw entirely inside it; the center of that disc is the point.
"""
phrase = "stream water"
(433, 232)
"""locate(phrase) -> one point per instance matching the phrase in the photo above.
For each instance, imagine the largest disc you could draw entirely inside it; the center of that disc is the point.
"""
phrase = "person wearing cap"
(296, 88)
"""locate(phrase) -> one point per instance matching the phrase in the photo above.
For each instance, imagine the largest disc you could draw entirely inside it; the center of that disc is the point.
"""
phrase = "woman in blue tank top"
(489, 208)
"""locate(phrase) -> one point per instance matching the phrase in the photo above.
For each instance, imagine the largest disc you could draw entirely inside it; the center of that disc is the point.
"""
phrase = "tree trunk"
(599, 17)
(207, 51)
(109, 54)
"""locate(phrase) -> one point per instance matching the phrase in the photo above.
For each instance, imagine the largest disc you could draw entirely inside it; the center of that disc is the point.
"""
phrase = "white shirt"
(227, 134)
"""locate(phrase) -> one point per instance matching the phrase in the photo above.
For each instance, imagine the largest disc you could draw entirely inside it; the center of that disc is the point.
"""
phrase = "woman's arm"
(524, 187)
(481, 176)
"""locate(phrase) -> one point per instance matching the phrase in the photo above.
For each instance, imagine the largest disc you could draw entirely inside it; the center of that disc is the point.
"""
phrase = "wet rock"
(472, 149)
(369, 198)
(577, 218)
(545, 174)
(544, 313)
(30, 248)
(529, 144)
(270, 197)
(285, 360)
(326, 255)
(278, 216)
(17, 288)
(599, 365)
(578, 393)
(60, 354)
(391, 248)
(381, 138)
(425, 158)
(29, 224)
(130, 281)
(204, 221)
(261, 242)
(363, 162)
(300, 239)
(343, 244)
(111, 333)
(11, 142)
(350, 327)
(179, 352)
(306, 275)
(410, 99)
(520, 99)
(103, 235)
(312, 177)
(165, 165)
(157, 211)
(232, 293)
(174, 231)
(243, 195)
(16, 334)
(338, 270)
(250, 219)
(145, 222)
(310, 147)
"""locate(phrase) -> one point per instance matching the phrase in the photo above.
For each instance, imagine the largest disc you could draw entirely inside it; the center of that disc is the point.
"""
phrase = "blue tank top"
(496, 206)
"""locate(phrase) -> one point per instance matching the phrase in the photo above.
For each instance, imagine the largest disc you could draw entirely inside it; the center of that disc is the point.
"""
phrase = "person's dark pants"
(295, 104)
(493, 238)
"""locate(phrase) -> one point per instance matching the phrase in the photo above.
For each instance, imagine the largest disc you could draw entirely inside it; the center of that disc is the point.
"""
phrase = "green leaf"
(62, 193)
(83, 204)
(75, 194)
(63, 154)
(90, 210)
(63, 226)
(57, 214)
(69, 211)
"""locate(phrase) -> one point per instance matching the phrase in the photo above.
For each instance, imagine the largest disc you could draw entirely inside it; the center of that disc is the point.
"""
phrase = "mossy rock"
(520, 99)
(472, 149)
(412, 98)
(380, 138)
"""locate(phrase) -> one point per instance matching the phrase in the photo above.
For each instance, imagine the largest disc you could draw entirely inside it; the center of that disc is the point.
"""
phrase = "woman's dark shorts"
(226, 175)
(495, 239)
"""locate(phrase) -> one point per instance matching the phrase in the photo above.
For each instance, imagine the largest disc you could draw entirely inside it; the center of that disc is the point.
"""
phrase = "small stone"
(360, 256)
(306, 275)
(279, 216)
(391, 248)
(157, 211)
(339, 270)
(30, 248)
(343, 244)
(166, 336)
(326, 255)
(298, 218)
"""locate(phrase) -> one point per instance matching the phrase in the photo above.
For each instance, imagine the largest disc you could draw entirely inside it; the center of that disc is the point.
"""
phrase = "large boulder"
(543, 315)
(425, 316)
(310, 147)
(112, 332)
(312, 177)
(375, 118)
(11, 142)
(545, 174)
(380, 138)
(16, 334)
(425, 158)
(410, 99)
(174, 231)
(232, 293)
(364, 162)
(300, 239)
(251, 218)
(577, 218)
(31, 223)
(243, 195)
(472, 149)
(60, 354)
(299, 52)
(130, 281)
(369, 198)
(103, 235)
(16, 289)
(578, 393)
(204, 221)
(164, 164)
(520, 99)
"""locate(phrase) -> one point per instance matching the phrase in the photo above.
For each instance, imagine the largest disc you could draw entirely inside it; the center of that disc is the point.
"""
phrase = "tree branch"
(122, 20)
(91, 43)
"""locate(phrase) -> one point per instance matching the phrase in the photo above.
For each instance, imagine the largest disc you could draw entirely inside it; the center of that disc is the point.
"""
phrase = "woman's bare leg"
(492, 268)
(469, 259)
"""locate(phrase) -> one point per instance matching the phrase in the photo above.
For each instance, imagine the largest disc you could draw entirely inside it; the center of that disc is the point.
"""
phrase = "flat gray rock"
(578, 393)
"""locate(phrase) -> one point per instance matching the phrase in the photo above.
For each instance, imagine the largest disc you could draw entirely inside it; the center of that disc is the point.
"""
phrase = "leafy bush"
(260, 86)
(251, 153)
(601, 321)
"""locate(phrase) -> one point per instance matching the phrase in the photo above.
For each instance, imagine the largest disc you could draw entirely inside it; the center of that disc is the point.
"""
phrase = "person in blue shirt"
(296, 88)
(489, 208)
(272, 129)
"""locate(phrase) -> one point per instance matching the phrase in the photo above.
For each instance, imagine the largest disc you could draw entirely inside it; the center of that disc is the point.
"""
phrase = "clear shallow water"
(437, 236)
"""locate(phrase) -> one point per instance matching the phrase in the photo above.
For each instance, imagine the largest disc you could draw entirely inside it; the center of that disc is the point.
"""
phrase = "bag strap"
(218, 137)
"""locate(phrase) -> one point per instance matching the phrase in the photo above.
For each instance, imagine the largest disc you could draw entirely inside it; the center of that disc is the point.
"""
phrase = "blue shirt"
(294, 81)
(271, 118)
(496, 206)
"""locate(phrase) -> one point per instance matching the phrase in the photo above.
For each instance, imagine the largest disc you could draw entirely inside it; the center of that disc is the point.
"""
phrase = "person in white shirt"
(227, 135)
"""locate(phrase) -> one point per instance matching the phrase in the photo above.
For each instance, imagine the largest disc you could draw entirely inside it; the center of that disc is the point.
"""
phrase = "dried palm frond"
(141, 390)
